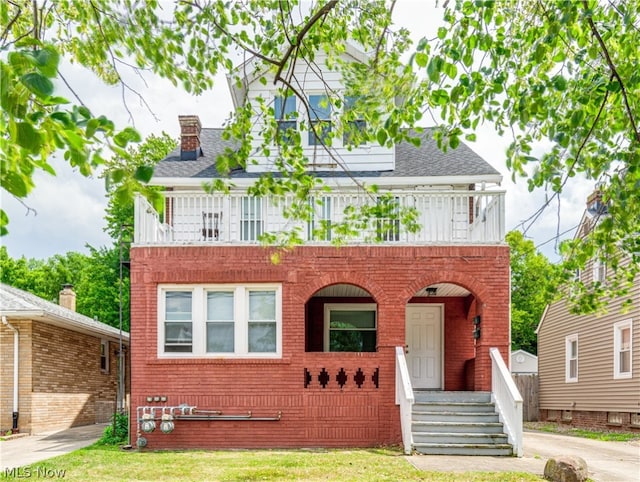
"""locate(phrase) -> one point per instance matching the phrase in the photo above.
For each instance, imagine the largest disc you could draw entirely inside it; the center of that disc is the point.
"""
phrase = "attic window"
(285, 115)
(320, 119)
(355, 127)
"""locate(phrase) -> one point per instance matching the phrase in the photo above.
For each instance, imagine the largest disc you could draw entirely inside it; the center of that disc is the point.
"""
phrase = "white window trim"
(199, 320)
(617, 329)
(105, 344)
(328, 307)
(567, 351)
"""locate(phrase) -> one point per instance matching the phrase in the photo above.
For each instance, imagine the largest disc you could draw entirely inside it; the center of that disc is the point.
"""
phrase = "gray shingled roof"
(411, 161)
(16, 303)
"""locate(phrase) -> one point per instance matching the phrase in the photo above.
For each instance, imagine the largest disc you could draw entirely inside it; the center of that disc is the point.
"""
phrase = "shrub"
(110, 437)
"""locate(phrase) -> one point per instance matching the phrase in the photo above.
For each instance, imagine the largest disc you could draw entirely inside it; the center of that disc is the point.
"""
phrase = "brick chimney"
(595, 204)
(68, 297)
(190, 128)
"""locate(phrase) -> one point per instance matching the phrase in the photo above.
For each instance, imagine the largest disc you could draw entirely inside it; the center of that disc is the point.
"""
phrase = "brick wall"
(24, 375)
(592, 419)
(61, 384)
(312, 416)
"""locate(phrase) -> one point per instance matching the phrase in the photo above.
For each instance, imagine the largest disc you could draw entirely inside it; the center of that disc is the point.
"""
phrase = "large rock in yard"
(566, 468)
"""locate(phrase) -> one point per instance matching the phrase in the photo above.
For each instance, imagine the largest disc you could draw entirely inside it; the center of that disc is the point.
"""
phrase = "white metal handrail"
(458, 217)
(404, 398)
(507, 399)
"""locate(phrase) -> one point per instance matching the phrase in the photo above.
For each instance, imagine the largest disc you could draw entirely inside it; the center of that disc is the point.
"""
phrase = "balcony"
(197, 218)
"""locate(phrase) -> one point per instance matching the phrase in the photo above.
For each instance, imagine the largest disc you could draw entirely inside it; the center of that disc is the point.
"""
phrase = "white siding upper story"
(370, 157)
(453, 193)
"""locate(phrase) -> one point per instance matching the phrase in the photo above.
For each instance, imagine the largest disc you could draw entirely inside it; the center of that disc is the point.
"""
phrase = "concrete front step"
(457, 423)
(466, 427)
(459, 396)
(437, 416)
(471, 449)
(461, 439)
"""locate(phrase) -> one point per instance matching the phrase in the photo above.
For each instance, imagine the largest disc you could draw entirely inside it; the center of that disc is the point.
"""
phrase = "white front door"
(424, 345)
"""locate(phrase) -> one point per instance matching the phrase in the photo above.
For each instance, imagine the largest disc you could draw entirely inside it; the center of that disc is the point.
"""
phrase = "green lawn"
(103, 463)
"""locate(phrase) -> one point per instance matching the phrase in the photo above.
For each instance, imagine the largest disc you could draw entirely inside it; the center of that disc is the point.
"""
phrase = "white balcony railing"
(445, 217)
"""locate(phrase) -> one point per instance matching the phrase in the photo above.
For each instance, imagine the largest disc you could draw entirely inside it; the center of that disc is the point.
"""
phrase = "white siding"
(371, 157)
(596, 388)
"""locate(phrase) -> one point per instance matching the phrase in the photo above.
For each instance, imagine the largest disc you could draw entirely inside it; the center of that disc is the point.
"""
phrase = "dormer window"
(354, 129)
(320, 113)
(285, 114)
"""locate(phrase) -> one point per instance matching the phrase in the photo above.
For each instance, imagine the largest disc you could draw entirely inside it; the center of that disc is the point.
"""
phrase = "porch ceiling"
(352, 291)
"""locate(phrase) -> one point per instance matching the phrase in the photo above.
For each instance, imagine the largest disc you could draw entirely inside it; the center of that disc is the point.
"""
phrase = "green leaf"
(129, 134)
(434, 68)
(48, 60)
(28, 137)
(144, 173)
(38, 84)
(421, 59)
(559, 82)
(381, 136)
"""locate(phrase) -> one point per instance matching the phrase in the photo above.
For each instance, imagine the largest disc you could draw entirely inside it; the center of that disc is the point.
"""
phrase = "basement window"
(614, 418)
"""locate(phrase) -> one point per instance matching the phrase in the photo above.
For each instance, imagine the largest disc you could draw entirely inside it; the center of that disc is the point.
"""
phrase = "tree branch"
(298, 40)
(613, 69)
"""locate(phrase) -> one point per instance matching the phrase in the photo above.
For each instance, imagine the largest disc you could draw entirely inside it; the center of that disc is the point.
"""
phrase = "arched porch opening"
(341, 318)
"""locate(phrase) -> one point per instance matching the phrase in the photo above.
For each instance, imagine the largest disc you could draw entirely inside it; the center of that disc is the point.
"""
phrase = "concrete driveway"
(606, 461)
(28, 450)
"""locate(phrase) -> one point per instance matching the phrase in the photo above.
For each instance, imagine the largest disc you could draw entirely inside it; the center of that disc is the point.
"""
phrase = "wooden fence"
(528, 386)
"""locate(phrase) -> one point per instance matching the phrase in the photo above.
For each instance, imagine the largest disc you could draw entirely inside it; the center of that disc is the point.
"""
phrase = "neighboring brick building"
(68, 364)
(239, 351)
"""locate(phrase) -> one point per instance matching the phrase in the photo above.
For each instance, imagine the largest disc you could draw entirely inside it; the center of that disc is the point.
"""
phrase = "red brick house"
(326, 347)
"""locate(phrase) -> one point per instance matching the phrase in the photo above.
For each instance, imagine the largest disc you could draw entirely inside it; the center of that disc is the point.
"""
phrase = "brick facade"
(332, 416)
(60, 381)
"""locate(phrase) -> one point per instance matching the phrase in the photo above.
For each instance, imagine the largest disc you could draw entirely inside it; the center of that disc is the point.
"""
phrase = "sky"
(66, 212)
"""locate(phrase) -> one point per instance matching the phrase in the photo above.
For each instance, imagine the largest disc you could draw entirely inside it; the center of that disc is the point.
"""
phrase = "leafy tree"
(560, 77)
(95, 278)
(121, 187)
(533, 285)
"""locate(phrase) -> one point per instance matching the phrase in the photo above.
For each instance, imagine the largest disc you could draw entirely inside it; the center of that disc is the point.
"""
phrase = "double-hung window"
(286, 117)
(320, 113)
(599, 271)
(319, 225)
(622, 349)
(104, 356)
(571, 358)
(226, 320)
(350, 327)
(355, 127)
(178, 323)
(220, 322)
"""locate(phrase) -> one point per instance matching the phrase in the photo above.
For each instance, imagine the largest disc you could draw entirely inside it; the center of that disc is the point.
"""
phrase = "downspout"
(16, 341)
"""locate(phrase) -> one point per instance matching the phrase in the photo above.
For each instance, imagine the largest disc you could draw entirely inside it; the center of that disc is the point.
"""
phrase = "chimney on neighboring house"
(190, 128)
(68, 297)
(595, 205)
